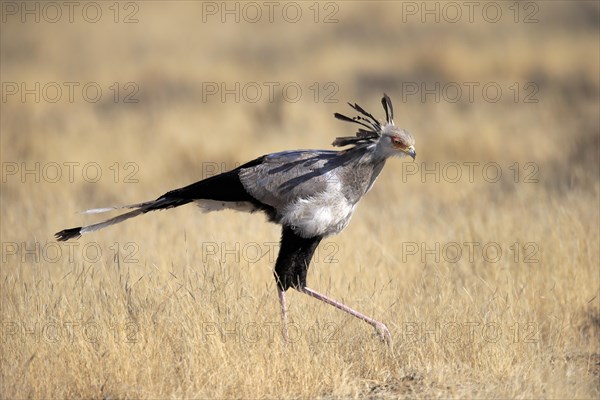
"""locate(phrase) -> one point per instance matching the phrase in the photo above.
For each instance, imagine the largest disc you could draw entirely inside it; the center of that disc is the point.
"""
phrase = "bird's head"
(387, 138)
(396, 142)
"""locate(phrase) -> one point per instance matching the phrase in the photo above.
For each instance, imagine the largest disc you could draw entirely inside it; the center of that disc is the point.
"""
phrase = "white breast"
(321, 215)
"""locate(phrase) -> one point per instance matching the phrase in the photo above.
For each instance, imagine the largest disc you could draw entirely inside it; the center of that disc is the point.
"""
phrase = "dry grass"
(168, 318)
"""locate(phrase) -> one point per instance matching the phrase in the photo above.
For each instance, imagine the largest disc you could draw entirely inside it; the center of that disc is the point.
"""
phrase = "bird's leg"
(380, 327)
(283, 303)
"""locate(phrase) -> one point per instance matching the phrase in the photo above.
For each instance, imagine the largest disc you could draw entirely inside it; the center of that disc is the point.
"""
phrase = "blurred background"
(168, 87)
(110, 103)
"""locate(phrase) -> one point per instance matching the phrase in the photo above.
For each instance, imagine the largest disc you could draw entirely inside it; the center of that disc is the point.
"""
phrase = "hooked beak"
(411, 152)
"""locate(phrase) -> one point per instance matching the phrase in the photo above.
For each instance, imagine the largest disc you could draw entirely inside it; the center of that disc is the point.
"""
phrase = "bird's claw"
(384, 333)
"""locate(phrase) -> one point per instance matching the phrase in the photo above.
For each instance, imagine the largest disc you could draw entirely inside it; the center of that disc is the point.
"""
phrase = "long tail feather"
(225, 187)
(140, 208)
(107, 209)
(74, 233)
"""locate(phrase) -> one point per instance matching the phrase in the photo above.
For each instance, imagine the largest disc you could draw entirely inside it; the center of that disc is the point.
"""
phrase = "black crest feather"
(367, 120)
(389, 110)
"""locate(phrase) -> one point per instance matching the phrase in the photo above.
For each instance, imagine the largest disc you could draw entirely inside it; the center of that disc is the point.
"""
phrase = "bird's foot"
(384, 333)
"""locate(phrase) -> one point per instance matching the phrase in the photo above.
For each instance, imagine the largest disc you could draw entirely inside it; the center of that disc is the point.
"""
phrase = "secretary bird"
(312, 194)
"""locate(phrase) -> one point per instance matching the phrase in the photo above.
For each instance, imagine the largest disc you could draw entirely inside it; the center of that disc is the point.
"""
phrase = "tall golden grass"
(180, 304)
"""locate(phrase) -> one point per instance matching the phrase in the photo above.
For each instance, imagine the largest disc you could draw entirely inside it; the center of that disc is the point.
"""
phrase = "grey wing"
(284, 177)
